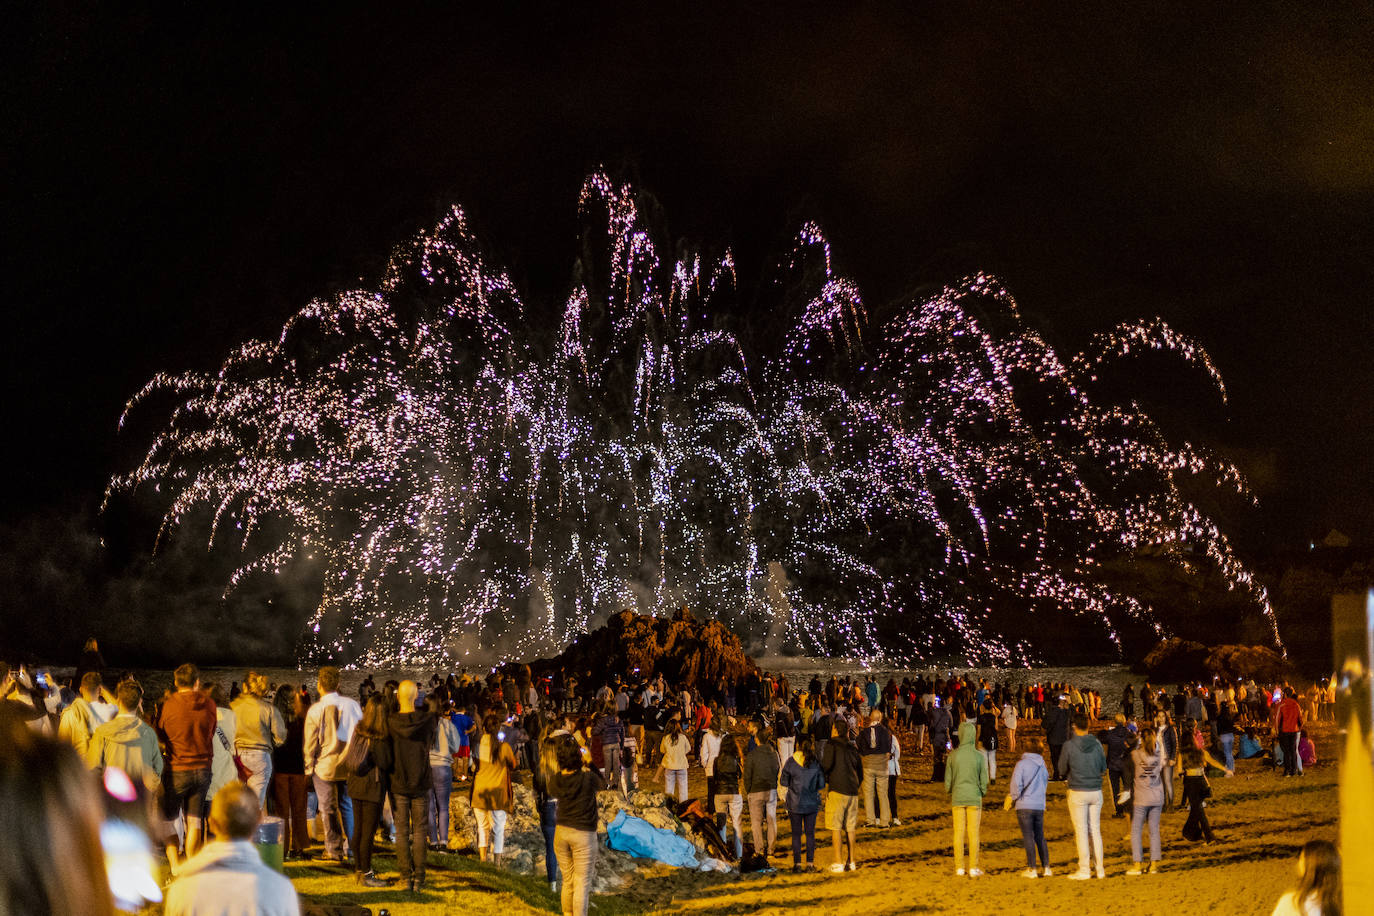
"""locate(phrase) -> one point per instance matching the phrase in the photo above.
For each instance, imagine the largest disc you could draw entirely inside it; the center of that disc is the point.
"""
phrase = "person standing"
(492, 795)
(328, 726)
(610, 732)
(785, 733)
(966, 782)
(802, 777)
(987, 735)
(1117, 742)
(1083, 763)
(574, 790)
(288, 777)
(259, 730)
(127, 742)
(368, 761)
(724, 786)
(675, 747)
(1147, 798)
(875, 749)
(1057, 722)
(1029, 783)
(1287, 718)
(187, 728)
(441, 753)
(894, 769)
(92, 709)
(940, 724)
(761, 788)
(412, 735)
(842, 767)
(1009, 722)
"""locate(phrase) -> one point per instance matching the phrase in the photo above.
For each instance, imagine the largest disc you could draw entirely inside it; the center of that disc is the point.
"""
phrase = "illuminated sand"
(1261, 821)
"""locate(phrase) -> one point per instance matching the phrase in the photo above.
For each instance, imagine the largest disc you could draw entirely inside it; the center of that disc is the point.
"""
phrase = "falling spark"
(465, 478)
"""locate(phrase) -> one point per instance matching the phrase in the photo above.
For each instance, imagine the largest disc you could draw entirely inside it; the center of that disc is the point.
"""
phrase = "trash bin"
(268, 839)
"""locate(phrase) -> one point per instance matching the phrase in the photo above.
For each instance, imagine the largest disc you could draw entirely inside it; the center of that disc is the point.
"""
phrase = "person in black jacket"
(1118, 742)
(1056, 722)
(369, 762)
(412, 733)
(761, 769)
(725, 778)
(842, 767)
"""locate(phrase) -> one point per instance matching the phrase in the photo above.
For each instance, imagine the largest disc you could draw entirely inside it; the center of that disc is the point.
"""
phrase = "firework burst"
(472, 478)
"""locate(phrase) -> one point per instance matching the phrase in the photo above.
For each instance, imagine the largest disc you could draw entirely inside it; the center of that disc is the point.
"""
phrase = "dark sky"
(178, 181)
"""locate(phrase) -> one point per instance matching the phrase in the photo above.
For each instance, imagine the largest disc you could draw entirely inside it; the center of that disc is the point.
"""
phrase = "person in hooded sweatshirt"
(127, 742)
(1083, 763)
(1029, 781)
(412, 733)
(966, 782)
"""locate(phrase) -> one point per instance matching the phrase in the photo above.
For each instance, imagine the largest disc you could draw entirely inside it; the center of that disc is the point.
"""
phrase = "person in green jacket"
(127, 742)
(966, 781)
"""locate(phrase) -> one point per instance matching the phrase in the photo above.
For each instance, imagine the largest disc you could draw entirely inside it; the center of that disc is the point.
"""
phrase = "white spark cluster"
(468, 477)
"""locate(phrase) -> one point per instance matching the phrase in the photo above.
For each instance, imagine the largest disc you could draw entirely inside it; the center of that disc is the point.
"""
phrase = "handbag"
(243, 771)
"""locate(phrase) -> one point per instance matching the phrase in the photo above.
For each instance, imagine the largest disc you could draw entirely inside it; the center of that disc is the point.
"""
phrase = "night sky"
(180, 181)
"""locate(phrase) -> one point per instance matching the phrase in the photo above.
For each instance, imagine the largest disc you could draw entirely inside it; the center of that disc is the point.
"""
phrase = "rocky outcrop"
(681, 648)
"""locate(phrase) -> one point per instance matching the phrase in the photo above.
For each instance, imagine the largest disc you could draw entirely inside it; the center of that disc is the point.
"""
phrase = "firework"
(471, 479)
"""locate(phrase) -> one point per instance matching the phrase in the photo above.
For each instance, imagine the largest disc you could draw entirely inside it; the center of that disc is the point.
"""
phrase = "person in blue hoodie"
(1083, 763)
(1029, 781)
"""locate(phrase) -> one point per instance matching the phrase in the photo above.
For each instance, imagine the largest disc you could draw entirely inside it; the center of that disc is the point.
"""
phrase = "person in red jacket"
(187, 726)
(1287, 717)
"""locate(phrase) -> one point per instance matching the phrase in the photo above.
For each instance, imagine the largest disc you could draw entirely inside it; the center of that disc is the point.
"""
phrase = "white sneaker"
(1047, 872)
(1080, 876)
(896, 822)
(1101, 873)
(959, 871)
(1030, 873)
(975, 873)
(1135, 870)
(837, 867)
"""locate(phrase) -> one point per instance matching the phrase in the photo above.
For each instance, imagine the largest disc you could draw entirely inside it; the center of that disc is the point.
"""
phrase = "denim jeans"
(1032, 823)
(438, 803)
(614, 770)
(1085, 811)
(335, 806)
(548, 824)
(576, 851)
(1139, 816)
(412, 818)
(259, 764)
(1228, 742)
(733, 806)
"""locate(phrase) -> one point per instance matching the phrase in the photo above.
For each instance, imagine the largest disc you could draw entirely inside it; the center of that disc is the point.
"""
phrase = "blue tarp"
(640, 838)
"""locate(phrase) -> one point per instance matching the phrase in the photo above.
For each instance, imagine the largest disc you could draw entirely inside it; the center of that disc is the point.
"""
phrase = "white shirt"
(675, 752)
(894, 765)
(710, 750)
